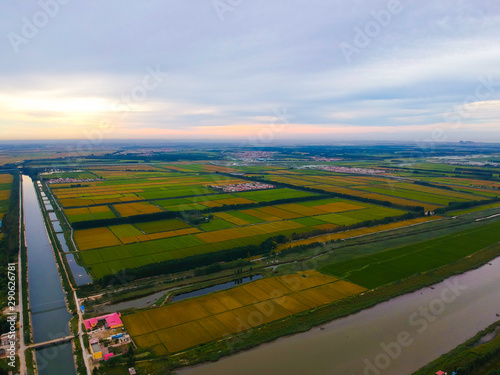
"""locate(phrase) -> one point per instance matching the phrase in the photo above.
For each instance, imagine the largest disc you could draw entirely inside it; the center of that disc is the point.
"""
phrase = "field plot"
(382, 189)
(139, 208)
(89, 213)
(188, 323)
(97, 237)
(392, 265)
(162, 225)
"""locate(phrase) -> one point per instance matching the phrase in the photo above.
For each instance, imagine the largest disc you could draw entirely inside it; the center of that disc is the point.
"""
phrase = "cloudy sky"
(316, 70)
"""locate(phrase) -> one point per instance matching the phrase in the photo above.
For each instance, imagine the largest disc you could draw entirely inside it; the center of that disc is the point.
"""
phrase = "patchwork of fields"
(392, 265)
(383, 189)
(182, 325)
(111, 249)
(169, 185)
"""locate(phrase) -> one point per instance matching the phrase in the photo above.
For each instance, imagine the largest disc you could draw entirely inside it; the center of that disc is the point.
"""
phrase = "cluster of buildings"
(233, 188)
(106, 332)
(322, 158)
(335, 168)
(254, 155)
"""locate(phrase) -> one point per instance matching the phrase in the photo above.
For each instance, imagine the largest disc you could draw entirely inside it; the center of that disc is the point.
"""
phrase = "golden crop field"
(357, 232)
(6, 178)
(138, 208)
(182, 325)
(280, 213)
(228, 201)
(159, 235)
(233, 233)
(232, 219)
(4, 194)
(93, 238)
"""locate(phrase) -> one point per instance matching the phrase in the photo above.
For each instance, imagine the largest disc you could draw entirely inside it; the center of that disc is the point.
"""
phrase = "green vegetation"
(396, 264)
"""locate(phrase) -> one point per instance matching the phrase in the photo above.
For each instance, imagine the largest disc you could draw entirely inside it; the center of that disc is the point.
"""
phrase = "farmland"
(396, 264)
(185, 324)
(111, 249)
(190, 215)
(383, 189)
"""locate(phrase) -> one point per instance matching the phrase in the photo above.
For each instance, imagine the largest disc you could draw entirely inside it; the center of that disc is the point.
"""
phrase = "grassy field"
(395, 264)
(185, 324)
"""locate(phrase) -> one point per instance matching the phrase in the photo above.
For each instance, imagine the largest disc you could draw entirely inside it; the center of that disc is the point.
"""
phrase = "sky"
(257, 70)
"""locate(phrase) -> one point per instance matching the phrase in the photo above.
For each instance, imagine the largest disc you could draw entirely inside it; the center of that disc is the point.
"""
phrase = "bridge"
(50, 342)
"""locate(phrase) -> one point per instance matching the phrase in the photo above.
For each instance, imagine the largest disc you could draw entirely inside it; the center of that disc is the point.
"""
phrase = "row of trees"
(452, 206)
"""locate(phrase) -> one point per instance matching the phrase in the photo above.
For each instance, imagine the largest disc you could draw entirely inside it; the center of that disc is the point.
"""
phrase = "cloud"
(231, 75)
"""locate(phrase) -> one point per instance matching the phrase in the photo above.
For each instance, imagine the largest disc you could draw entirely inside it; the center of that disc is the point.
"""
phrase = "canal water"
(79, 273)
(396, 337)
(215, 288)
(142, 302)
(49, 314)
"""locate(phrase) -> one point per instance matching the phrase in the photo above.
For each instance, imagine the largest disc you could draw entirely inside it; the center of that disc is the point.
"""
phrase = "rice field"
(182, 325)
(89, 213)
(392, 265)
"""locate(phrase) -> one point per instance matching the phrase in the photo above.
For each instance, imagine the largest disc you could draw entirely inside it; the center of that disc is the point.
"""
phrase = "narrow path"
(80, 334)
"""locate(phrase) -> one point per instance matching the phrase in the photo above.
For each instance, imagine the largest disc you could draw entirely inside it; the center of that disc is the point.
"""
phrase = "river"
(396, 337)
(49, 314)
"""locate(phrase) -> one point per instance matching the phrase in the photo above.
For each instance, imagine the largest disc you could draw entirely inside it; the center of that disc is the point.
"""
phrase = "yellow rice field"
(6, 178)
(182, 325)
(138, 208)
(233, 233)
(93, 238)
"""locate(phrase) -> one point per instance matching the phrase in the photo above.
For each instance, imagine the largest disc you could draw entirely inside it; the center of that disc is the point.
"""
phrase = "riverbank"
(469, 357)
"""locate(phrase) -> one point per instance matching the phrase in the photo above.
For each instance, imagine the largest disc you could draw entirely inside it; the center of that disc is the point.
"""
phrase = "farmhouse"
(111, 321)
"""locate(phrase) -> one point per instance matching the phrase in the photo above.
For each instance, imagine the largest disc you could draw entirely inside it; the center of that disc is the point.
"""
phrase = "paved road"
(80, 334)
